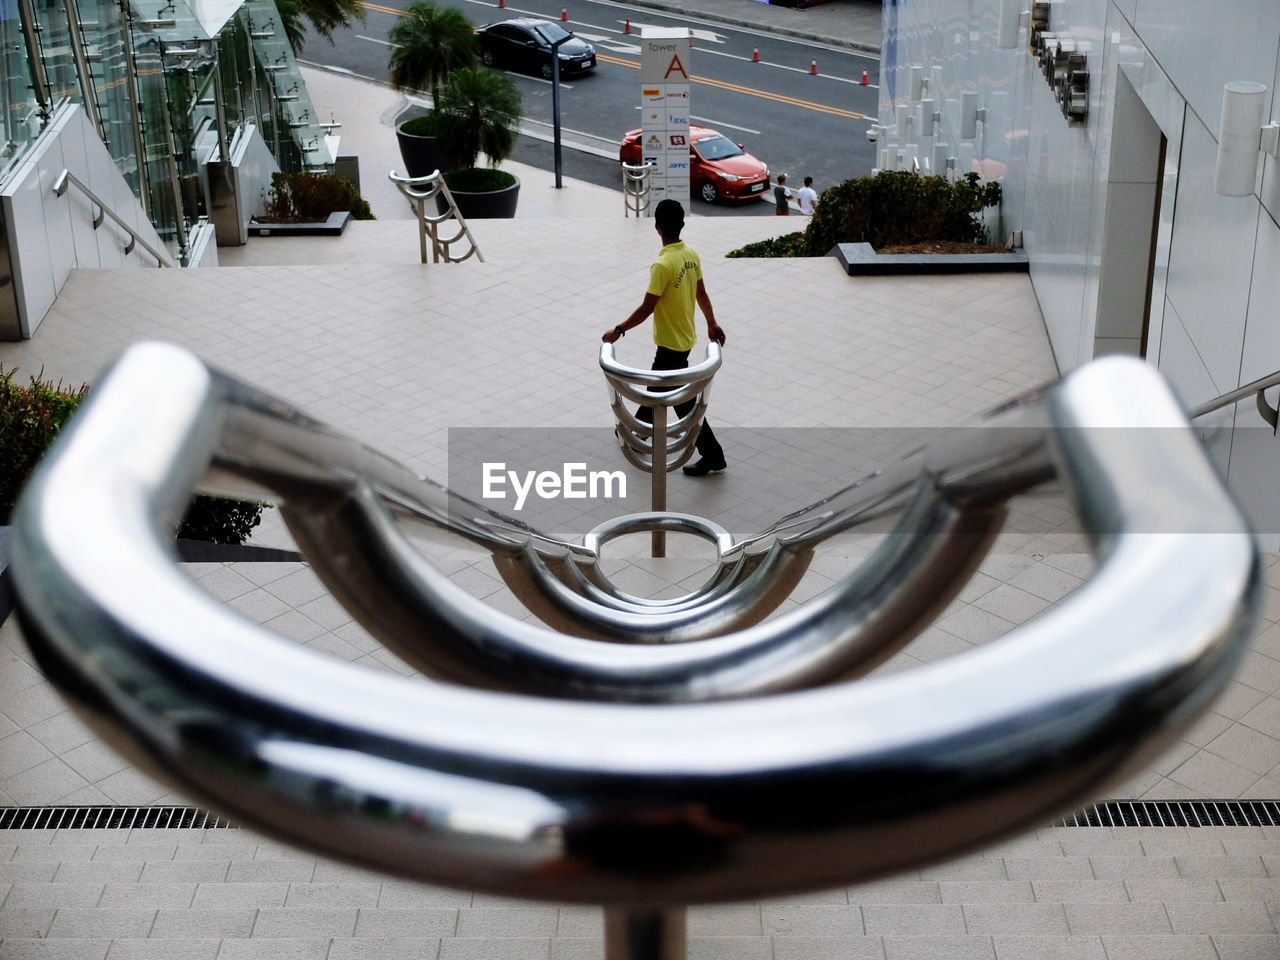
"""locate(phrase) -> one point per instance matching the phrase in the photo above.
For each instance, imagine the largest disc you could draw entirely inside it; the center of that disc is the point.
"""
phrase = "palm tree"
(429, 44)
(325, 16)
(478, 112)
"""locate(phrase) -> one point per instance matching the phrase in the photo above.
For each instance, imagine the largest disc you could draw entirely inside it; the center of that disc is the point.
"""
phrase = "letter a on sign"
(676, 67)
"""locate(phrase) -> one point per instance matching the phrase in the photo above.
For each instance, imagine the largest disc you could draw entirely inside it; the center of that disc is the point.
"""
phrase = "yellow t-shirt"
(673, 279)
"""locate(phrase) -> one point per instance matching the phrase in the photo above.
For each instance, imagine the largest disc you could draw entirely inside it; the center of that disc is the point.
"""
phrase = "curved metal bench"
(788, 776)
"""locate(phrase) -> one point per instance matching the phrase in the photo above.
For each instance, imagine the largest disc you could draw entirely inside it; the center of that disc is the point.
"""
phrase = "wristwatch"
(619, 331)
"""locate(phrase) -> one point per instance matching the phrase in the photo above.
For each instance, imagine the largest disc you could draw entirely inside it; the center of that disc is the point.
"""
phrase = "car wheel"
(707, 191)
(546, 70)
(487, 58)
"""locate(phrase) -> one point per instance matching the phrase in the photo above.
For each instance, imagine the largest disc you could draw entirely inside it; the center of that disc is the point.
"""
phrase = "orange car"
(719, 169)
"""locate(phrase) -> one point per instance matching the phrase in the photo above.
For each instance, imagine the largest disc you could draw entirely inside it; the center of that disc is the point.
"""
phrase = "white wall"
(1217, 259)
(50, 235)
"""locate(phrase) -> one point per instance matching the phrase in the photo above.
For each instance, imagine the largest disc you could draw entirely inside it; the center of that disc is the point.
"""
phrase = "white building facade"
(1131, 248)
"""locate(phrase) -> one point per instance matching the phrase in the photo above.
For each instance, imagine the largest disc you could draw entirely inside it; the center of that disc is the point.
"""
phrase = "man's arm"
(638, 316)
(714, 330)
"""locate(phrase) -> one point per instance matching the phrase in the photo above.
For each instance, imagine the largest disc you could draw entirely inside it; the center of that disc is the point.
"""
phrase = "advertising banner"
(665, 69)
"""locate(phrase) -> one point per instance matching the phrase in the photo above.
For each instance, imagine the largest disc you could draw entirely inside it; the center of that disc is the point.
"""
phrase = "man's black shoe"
(703, 467)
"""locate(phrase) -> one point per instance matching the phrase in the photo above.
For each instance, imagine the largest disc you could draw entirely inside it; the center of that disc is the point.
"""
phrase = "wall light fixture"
(1241, 136)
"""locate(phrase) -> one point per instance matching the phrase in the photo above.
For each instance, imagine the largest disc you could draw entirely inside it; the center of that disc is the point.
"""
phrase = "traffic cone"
(865, 80)
(627, 28)
(564, 13)
(813, 67)
(755, 54)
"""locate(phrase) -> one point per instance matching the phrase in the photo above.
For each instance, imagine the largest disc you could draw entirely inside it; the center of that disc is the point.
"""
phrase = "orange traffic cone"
(755, 54)
(627, 28)
(865, 80)
(813, 67)
(564, 13)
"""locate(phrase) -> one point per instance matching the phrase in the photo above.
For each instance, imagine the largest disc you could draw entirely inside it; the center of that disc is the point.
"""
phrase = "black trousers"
(668, 359)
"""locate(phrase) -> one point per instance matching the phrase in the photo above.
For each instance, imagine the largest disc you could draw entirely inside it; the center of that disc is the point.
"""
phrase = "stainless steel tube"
(627, 804)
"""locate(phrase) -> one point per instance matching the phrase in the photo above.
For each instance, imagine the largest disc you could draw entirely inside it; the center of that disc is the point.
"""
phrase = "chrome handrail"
(658, 447)
(418, 190)
(637, 188)
(1257, 387)
(611, 802)
(60, 188)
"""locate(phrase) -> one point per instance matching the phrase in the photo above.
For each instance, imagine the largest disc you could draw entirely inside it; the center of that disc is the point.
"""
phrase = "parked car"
(719, 169)
(525, 44)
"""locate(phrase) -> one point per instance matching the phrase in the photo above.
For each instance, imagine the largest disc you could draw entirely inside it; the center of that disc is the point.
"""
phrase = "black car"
(525, 44)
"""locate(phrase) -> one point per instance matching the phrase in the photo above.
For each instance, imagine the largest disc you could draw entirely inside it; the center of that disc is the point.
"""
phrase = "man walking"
(675, 285)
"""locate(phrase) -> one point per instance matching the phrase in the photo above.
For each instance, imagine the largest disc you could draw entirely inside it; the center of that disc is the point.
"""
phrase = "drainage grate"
(1177, 813)
(110, 818)
(1115, 813)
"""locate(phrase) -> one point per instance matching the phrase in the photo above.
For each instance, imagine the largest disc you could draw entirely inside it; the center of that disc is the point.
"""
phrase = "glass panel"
(105, 33)
(21, 110)
(157, 145)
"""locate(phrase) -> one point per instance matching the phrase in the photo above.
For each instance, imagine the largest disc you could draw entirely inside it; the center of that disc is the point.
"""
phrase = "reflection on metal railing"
(637, 188)
(743, 762)
(645, 437)
(422, 192)
(67, 178)
(1258, 388)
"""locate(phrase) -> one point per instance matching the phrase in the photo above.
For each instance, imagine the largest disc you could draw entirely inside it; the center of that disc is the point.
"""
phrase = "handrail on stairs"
(60, 188)
(418, 191)
(1257, 388)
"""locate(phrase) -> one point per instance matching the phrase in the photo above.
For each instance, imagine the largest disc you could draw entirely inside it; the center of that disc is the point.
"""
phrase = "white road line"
(512, 73)
(707, 121)
(385, 43)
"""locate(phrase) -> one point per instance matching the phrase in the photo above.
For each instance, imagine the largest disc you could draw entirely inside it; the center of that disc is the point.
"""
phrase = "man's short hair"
(669, 216)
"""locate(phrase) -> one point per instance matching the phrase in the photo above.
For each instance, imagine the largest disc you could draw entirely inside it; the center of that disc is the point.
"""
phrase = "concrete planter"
(332, 227)
(861, 260)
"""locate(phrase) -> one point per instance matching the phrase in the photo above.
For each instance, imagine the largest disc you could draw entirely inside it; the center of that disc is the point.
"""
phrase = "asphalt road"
(797, 122)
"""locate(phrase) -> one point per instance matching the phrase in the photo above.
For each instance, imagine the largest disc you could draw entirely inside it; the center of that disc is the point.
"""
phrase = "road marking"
(525, 76)
(721, 123)
(750, 91)
(385, 43)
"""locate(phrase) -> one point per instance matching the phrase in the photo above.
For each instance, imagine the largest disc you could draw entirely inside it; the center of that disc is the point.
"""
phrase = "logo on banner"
(677, 92)
(679, 140)
(675, 66)
(654, 92)
(677, 120)
(653, 143)
(677, 164)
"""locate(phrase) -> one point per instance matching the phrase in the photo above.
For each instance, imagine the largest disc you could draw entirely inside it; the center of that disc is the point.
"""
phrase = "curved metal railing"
(567, 782)
(649, 443)
(421, 192)
(637, 188)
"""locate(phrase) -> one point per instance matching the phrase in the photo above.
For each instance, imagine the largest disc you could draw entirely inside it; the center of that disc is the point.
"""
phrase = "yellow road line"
(706, 81)
(750, 91)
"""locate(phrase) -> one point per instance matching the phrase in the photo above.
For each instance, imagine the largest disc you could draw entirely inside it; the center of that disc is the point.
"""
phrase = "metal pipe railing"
(60, 188)
(599, 800)
(1256, 387)
(419, 190)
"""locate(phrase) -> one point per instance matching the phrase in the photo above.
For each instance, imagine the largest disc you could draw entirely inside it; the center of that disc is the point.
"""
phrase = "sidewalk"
(854, 24)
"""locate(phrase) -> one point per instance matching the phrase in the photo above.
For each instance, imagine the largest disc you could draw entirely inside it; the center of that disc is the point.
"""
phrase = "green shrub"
(897, 208)
(30, 418)
(891, 209)
(787, 245)
(423, 126)
(478, 180)
(311, 197)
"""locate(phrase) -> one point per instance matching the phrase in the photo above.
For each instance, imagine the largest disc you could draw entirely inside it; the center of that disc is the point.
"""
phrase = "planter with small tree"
(429, 44)
(479, 112)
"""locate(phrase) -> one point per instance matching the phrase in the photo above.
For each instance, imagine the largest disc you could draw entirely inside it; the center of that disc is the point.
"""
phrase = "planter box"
(332, 227)
(861, 260)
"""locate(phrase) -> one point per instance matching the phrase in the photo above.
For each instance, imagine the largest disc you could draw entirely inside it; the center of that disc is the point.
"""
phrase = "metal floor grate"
(111, 818)
(1115, 813)
(1177, 813)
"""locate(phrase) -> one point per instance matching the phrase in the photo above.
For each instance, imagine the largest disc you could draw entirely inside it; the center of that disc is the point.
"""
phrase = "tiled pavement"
(398, 353)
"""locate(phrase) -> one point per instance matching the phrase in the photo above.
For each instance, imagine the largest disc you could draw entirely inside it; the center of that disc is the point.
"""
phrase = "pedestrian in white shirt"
(807, 197)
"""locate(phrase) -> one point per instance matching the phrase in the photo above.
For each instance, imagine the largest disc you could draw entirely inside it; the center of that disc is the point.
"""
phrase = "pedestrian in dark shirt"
(780, 196)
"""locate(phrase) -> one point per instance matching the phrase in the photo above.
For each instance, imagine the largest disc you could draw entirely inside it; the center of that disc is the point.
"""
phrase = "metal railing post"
(644, 933)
